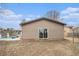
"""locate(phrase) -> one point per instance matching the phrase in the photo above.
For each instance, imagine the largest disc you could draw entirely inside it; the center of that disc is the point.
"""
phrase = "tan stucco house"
(43, 28)
(67, 30)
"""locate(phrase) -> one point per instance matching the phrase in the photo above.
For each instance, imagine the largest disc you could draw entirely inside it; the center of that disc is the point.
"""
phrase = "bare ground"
(38, 48)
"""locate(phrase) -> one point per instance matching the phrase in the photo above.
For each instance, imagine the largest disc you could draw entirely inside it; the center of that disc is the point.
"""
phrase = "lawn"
(38, 48)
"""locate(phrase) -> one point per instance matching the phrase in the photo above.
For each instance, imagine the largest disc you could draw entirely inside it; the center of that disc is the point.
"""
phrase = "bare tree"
(23, 21)
(53, 14)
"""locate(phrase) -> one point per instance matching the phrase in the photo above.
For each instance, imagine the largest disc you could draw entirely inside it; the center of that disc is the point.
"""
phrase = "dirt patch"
(37, 48)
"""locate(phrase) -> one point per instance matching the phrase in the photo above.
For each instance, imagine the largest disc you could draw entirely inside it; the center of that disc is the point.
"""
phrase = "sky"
(11, 14)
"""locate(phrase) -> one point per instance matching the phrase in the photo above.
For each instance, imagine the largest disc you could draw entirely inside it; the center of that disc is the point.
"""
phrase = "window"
(43, 33)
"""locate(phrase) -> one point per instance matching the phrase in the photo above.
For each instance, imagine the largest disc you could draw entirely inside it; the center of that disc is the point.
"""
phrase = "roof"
(47, 19)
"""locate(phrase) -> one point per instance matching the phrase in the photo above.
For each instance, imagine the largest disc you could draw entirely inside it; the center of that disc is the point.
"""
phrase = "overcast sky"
(12, 14)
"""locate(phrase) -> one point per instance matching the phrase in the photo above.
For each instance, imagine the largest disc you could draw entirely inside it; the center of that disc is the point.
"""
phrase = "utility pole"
(73, 34)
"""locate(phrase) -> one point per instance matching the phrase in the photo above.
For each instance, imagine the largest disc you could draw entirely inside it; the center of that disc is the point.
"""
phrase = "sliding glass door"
(43, 33)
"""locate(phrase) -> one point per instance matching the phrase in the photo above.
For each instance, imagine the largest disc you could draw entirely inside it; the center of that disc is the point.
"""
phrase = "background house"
(9, 32)
(68, 32)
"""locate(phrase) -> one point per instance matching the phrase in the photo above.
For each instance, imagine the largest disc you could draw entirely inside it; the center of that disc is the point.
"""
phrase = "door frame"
(47, 32)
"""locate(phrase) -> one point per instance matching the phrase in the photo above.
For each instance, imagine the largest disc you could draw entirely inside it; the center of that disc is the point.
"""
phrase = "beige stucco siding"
(55, 31)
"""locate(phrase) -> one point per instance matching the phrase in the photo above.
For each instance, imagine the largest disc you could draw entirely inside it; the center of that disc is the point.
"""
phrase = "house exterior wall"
(66, 31)
(55, 31)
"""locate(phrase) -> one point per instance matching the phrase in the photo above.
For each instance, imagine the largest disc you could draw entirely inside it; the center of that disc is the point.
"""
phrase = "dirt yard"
(38, 48)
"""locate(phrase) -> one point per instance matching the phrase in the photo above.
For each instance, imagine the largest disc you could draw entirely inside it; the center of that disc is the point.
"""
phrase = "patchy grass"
(38, 48)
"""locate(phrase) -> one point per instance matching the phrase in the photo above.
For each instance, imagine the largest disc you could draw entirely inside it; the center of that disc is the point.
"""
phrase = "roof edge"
(43, 18)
